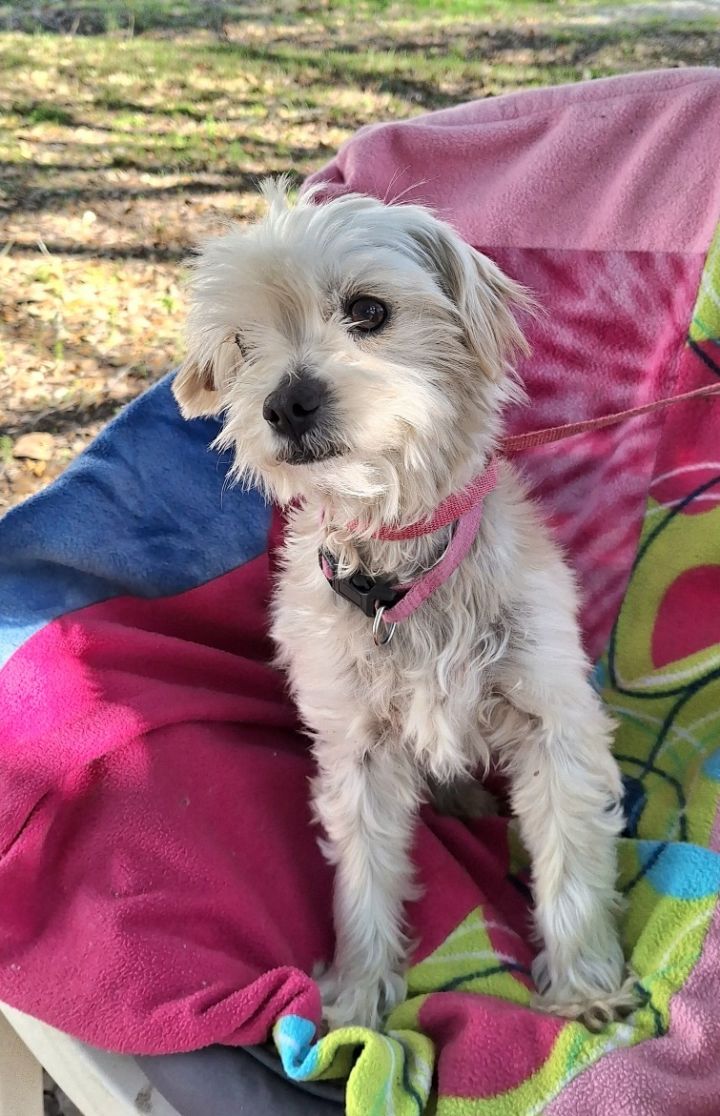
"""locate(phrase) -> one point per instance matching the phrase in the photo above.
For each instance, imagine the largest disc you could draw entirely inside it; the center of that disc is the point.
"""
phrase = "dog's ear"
(195, 390)
(196, 385)
(485, 299)
(213, 351)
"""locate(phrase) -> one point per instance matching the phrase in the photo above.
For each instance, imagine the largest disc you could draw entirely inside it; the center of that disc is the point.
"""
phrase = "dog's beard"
(309, 451)
(322, 443)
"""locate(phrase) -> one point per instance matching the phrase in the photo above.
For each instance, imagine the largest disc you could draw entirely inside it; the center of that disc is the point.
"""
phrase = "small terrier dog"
(361, 355)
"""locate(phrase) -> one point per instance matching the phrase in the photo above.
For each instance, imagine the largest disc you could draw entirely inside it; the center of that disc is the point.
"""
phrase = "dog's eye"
(241, 344)
(367, 313)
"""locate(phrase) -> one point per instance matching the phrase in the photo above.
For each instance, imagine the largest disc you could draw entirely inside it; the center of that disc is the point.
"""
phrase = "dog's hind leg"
(367, 802)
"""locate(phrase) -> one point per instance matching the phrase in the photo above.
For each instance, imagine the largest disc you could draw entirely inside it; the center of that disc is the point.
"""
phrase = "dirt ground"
(128, 131)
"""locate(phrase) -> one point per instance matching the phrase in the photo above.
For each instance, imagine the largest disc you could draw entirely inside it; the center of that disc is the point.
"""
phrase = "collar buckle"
(369, 594)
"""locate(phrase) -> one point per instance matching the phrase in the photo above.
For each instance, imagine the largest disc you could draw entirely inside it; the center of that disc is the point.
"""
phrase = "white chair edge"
(98, 1083)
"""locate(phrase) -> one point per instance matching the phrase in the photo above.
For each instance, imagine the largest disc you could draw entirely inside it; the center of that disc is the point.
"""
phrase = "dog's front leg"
(566, 794)
(366, 799)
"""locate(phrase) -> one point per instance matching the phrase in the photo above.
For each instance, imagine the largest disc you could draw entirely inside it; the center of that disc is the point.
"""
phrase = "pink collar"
(391, 604)
(451, 509)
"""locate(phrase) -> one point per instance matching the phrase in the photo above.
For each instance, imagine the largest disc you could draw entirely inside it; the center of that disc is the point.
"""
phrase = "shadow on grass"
(36, 199)
(561, 46)
(100, 17)
(104, 251)
(65, 420)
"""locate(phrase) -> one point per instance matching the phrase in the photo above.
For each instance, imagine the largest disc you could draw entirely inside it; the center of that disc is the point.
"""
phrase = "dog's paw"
(364, 1003)
(595, 1005)
(466, 798)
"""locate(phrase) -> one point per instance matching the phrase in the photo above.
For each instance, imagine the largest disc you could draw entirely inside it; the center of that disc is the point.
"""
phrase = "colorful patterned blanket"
(160, 885)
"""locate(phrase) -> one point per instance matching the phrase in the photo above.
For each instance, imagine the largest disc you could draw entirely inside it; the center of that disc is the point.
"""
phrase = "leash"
(517, 442)
(388, 604)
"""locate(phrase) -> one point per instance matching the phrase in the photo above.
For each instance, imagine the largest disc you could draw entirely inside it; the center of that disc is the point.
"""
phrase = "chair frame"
(98, 1083)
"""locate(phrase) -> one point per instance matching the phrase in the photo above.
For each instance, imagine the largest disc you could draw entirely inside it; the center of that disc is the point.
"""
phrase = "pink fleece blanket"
(160, 884)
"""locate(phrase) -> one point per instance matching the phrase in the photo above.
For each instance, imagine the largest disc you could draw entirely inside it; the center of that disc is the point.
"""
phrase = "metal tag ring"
(379, 622)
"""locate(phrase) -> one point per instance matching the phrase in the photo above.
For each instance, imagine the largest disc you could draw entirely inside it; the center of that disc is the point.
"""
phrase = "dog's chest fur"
(431, 689)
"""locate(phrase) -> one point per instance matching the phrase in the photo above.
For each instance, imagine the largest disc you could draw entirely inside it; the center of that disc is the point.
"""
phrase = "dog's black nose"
(294, 408)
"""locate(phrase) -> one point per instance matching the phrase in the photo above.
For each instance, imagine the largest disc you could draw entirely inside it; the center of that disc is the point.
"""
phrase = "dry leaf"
(36, 446)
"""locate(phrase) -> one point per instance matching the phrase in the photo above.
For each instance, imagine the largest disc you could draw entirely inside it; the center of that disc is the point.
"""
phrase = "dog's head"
(355, 349)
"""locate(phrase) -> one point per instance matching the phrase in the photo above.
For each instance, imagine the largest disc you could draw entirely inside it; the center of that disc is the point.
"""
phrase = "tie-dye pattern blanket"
(160, 884)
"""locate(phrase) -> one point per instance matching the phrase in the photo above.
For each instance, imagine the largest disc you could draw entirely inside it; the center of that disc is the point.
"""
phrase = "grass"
(142, 16)
(129, 129)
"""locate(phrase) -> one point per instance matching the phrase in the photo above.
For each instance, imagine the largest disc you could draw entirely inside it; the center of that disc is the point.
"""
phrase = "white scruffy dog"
(360, 354)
